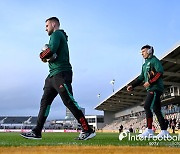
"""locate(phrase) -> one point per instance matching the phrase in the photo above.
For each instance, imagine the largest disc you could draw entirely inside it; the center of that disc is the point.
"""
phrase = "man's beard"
(50, 32)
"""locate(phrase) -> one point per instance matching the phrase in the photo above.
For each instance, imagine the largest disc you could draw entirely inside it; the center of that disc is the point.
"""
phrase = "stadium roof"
(122, 99)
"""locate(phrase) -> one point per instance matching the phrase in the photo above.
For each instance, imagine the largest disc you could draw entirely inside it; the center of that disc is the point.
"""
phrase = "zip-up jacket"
(58, 44)
(152, 72)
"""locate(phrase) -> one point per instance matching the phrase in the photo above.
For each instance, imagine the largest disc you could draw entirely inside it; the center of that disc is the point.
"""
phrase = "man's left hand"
(146, 84)
(44, 60)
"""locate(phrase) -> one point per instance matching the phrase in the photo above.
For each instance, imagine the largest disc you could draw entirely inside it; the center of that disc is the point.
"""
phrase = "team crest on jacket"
(148, 65)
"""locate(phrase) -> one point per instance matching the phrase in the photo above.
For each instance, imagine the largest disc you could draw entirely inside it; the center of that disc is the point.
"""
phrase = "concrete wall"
(100, 125)
(129, 111)
(108, 117)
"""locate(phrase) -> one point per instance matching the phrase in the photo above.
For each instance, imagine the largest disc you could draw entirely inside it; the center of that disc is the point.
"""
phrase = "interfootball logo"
(122, 135)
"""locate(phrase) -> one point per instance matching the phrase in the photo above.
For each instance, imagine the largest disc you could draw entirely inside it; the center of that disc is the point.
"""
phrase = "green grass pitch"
(101, 139)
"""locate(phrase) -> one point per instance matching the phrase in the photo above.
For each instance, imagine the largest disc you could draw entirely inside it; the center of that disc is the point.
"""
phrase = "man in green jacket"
(151, 76)
(59, 80)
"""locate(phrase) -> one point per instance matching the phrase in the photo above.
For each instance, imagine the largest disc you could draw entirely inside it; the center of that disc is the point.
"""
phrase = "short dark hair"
(55, 19)
(148, 47)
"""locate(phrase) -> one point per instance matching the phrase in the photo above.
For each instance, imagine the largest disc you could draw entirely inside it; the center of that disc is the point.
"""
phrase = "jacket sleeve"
(157, 73)
(139, 79)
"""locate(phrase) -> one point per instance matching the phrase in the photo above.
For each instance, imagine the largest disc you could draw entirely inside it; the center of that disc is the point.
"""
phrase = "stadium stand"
(2, 119)
(13, 122)
(138, 121)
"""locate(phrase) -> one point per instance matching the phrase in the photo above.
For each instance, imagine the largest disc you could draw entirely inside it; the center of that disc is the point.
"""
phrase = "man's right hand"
(129, 88)
(46, 52)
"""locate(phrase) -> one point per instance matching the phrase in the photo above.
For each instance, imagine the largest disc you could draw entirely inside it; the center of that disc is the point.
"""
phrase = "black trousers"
(153, 104)
(59, 84)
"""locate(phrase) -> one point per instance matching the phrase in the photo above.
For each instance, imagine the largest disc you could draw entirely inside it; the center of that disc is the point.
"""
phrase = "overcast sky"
(105, 38)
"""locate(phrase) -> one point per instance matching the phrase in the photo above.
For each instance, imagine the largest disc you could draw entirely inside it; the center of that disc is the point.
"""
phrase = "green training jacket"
(58, 44)
(152, 64)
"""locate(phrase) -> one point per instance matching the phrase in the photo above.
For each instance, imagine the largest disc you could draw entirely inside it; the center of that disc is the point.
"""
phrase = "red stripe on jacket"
(155, 78)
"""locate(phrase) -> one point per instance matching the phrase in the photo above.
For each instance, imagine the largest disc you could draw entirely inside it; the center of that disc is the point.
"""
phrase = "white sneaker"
(148, 133)
(163, 134)
(86, 135)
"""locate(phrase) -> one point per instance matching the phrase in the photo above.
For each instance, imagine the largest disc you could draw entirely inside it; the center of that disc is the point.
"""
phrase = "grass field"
(14, 139)
(102, 143)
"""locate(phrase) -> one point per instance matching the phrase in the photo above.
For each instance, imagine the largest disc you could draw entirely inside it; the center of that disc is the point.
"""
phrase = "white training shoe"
(163, 134)
(148, 133)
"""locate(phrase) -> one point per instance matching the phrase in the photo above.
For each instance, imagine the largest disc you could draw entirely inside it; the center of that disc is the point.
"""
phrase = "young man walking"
(151, 76)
